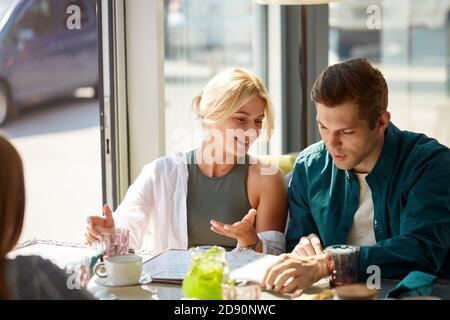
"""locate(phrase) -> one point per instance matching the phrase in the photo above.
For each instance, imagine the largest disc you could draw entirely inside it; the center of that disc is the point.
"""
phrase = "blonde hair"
(227, 92)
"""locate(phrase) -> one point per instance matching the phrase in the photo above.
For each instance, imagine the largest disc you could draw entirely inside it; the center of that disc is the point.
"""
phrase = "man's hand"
(292, 272)
(308, 246)
(96, 225)
(244, 230)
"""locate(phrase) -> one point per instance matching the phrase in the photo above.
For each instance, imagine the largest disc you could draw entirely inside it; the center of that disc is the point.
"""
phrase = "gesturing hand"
(96, 225)
(243, 231)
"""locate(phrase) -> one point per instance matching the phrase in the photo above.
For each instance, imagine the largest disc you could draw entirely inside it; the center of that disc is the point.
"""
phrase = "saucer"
(145, 279)
(357, 291)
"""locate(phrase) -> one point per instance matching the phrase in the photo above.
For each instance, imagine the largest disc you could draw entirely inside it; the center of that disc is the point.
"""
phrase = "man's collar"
(385, 164)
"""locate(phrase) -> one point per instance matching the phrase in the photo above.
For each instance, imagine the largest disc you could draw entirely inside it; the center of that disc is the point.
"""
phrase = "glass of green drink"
(208, 270)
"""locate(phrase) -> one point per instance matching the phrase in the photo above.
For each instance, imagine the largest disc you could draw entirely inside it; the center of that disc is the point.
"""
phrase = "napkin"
(416, 283)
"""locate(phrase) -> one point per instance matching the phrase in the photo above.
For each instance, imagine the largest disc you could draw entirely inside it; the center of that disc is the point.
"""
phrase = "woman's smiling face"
(237, 133)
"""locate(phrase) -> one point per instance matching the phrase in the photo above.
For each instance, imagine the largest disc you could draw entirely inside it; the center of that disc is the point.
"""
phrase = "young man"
(368, 184)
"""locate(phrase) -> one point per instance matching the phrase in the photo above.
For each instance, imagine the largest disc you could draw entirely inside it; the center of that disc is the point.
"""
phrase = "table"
(62, 253)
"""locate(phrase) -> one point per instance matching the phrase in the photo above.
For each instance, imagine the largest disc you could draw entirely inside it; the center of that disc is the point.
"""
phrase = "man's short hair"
(354, 81)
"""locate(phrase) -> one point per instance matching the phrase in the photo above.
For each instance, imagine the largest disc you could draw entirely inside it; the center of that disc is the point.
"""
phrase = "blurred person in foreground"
(25, 277)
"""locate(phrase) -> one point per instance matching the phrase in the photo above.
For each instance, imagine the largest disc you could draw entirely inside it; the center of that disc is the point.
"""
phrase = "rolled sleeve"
(301, 222)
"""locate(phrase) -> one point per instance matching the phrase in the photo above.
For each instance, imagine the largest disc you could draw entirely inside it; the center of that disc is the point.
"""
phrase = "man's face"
(348, 138)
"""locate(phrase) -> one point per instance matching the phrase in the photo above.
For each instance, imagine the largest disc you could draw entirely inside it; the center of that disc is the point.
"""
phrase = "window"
(36, 21)
(410, 42)
(202, 38)
(4, 6)
(58, 139)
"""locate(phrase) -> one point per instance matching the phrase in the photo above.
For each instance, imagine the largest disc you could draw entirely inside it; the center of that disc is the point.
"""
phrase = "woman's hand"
(96, 225)
(243, 231)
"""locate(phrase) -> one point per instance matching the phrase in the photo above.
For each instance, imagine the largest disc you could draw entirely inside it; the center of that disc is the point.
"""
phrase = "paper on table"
(172, 265)
(249, 264)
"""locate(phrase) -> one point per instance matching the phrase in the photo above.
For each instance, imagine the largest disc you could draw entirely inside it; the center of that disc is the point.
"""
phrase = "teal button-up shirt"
(410, 187)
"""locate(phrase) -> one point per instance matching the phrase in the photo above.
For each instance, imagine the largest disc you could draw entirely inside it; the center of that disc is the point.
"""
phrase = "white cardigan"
(154, 209)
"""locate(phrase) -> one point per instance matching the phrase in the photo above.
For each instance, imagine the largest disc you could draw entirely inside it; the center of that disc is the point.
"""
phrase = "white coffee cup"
(120, 270)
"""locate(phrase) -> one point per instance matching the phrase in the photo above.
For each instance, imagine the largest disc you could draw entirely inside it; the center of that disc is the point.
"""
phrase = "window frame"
(130, 78)
(304, 42)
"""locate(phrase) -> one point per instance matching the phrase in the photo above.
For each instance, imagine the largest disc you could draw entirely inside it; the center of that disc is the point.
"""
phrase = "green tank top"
(223, 199)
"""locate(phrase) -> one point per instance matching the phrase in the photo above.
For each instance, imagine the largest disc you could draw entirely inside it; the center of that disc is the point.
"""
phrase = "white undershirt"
(361, 233)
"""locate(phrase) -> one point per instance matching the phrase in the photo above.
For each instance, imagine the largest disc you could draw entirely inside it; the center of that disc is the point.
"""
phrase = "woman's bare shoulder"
(264, 172)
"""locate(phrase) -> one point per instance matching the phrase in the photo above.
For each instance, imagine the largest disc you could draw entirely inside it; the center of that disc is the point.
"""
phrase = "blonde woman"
(215, 194)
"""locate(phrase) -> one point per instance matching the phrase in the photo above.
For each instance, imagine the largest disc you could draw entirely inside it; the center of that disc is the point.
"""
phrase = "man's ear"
(383, 121)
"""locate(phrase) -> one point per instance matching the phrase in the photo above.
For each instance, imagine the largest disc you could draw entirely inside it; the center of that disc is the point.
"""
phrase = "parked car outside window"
(41, 59)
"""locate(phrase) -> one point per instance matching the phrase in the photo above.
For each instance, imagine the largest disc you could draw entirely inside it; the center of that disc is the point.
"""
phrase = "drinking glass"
(241, 289)
(114, 242)
(344, 261)
(78, 272)
(208, 270)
